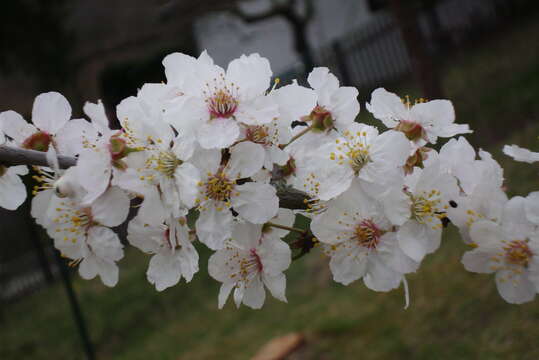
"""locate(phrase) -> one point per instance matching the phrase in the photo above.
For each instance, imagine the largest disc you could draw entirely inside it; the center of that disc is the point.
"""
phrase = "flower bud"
(63, 187)
(39, 141)
(320, 118)
(412, 130)
(416, 159)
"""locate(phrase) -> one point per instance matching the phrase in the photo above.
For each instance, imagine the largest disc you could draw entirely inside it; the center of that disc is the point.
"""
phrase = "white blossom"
(250, 261)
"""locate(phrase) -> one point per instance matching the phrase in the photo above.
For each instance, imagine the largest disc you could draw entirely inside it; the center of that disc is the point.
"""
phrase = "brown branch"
(288, 198)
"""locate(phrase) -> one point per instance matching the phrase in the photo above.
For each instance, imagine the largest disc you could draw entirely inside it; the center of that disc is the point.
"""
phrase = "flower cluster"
(201, 158)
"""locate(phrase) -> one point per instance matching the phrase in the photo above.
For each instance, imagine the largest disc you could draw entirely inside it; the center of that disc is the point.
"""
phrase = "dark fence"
(371, 55)
(375, 53)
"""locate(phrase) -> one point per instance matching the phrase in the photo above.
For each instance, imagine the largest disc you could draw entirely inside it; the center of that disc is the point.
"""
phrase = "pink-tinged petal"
(51, 112)
(256, 203)
(218, 133)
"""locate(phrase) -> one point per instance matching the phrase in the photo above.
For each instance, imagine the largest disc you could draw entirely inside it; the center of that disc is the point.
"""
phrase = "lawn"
(453, 314)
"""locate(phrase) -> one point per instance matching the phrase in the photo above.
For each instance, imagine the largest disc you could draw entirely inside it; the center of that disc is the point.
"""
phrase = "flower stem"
(289, 228)
(297, 136)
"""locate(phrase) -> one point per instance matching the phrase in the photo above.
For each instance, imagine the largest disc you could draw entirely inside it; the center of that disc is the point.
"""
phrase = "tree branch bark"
(15, 156)
(288, 198)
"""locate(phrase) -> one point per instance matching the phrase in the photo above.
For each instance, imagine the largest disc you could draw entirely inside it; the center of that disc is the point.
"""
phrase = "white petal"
(386, 107)
(348, 265)
(515, 288)
(164, 271)
(252, 74)
(14, 126)
(532, 207)
(96, 113)
(214, 227)
(344, 106)
(294, 102)
(93, 172)
(381, 277)
(413, 239)
(276, 285)
(224, 292)
(111, 208)
(105, 244)
(260, 110)
(12, 190)
(218, 133)
(256, 203)
(187, 177)
(246, 158)
(246, 236)
(255, 294)
(51, 112)
(520, 154)
(275, 255)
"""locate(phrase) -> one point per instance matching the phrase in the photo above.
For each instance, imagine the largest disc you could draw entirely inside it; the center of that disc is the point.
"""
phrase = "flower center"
(358, 158)
(222, 103)
(425, 206)
(368, 234)
(257, 134)
(320, 118)
(218, 187)
(412, 130)
(517, 252)
(166, 163)
(39, 141)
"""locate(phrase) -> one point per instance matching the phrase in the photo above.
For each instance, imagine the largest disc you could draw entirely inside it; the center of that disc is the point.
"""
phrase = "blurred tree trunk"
(298, 22)
(423, 67)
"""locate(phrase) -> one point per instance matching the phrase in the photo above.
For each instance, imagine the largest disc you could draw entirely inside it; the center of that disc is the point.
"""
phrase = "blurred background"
(481, 54)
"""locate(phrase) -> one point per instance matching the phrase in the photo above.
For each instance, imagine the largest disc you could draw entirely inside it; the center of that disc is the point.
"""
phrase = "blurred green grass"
(453, 314)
